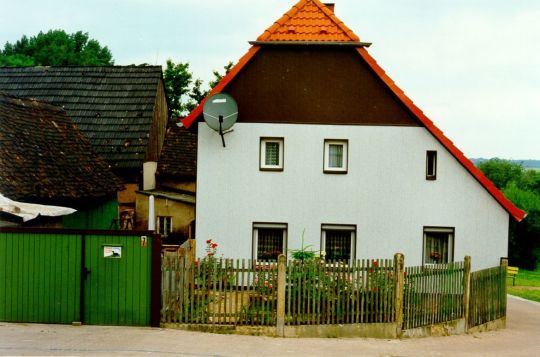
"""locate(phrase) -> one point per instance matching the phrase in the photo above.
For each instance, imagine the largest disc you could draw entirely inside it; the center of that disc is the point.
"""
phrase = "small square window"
(271, 154)
(431, 165)
(164, 225)
(269, 241)
(438, 245)
(335, 156)
(338, 242)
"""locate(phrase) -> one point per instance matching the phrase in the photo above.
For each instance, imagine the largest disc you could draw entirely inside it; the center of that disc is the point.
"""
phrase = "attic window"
(324, 30)
(335, 156)
(431, 165)
(291, 29)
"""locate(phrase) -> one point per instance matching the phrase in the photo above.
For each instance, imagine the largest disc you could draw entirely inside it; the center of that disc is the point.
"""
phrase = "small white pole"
(151, 214)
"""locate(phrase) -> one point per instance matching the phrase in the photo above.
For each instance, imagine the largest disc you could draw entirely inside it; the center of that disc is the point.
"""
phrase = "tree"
(56, 48)
(522, 187)
(183, 93)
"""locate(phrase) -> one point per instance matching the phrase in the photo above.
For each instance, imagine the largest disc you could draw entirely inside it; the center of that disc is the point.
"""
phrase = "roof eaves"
(517, 213)
(192, 117)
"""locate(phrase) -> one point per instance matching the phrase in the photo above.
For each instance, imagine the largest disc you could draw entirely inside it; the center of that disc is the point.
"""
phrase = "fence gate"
(62, 276)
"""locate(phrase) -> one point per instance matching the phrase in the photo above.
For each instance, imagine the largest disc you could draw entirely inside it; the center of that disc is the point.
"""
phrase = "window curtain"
(436, 248)
(272, 154)
(335, 155)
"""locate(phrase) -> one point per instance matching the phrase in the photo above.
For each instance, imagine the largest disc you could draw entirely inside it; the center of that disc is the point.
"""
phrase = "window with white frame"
(438, 245)
(269, 241)
(164, 225)
(431, 165)
(336, 154)
(338, 242)
(271, 154)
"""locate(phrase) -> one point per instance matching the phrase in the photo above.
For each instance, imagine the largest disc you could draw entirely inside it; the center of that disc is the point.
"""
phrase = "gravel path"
(520, 338)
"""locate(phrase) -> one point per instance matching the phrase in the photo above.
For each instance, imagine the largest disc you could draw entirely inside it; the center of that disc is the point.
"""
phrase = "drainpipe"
(151, 214)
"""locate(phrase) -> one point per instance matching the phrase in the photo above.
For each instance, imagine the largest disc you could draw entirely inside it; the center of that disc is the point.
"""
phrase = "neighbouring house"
(45, 159)
(122, 110)
(174, 194)
(328, 152)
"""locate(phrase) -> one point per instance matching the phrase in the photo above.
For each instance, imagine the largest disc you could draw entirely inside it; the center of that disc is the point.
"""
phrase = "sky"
(473, 67)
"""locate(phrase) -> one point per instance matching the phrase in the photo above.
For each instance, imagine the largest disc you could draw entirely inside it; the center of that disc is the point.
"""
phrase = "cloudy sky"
(473, 66)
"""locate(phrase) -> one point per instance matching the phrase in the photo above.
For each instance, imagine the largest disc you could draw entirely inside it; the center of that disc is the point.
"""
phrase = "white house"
(328, 148)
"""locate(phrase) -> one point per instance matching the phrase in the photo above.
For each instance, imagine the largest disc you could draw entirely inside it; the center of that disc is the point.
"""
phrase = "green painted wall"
(40, 277)
(96, 217)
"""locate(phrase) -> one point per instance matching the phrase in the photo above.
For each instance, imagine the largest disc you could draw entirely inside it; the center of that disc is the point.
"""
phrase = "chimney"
(330, 6)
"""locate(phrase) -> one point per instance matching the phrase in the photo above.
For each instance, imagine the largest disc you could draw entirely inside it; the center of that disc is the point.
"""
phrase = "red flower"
(208, 241)
(196, 263)
(214, 245)
(375, 263)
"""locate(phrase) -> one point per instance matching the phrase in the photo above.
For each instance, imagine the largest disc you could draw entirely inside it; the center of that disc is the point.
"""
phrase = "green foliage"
(522, 187)
(304, 254)
(56, 48)
(184, 93)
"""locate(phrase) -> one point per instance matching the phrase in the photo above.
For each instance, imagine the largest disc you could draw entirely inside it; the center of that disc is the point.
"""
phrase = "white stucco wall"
(384, 193)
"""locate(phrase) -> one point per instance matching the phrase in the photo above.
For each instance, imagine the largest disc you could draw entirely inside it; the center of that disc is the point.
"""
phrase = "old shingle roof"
(45, 159)
(112, 106)
(179, 154)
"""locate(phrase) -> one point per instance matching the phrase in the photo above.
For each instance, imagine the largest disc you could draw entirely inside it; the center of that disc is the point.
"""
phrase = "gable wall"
(384, 193)
(314, 84)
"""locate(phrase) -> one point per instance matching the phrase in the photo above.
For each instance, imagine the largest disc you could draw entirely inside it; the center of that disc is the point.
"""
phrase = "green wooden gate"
(96, 277)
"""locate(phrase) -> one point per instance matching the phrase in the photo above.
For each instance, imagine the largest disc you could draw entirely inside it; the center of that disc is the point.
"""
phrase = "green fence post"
(399, 263)
(282, 263)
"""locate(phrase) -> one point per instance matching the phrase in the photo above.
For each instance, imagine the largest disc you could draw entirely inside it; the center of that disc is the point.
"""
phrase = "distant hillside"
(528, 164)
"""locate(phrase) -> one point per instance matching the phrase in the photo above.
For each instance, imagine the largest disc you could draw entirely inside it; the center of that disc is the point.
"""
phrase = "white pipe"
(151, 214)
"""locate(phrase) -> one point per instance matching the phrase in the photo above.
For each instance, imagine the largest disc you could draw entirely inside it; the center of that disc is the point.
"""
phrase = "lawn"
(527, 285)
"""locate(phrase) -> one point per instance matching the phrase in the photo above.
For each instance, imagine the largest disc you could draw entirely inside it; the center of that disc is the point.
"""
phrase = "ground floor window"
(338, 242)
(438, 245)
(269, 241)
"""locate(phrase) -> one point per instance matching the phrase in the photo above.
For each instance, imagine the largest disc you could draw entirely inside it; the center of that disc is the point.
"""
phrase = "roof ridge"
(290, 34)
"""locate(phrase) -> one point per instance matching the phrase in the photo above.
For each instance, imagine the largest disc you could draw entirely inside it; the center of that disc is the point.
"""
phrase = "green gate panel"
(117, 289)
(40, 277)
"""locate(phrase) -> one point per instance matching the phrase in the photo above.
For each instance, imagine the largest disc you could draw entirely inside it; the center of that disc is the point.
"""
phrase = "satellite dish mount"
(220, 113)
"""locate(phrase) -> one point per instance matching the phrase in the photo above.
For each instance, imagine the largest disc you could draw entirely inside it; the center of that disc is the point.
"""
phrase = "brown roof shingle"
(44, 158)
(178, 157)
(112, 106)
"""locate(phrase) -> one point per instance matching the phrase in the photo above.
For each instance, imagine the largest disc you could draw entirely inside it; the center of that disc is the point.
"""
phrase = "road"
(520, 338)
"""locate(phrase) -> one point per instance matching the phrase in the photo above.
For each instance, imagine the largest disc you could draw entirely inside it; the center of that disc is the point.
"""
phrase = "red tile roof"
(309, 20)
(305, 17)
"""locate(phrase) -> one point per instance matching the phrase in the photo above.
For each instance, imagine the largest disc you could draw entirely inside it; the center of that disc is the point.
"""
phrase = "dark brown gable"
(315, 85)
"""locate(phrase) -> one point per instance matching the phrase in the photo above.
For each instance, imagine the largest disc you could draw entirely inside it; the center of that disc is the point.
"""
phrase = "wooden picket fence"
(488, 295)
(339, 293)
(432, 294)
(250, 293)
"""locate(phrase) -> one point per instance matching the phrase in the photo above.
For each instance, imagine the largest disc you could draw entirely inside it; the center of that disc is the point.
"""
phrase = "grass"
(527, 285)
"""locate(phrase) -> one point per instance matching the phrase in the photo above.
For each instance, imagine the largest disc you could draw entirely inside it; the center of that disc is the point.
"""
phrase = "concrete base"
(374, 330)
(489, 326)
(455, 327)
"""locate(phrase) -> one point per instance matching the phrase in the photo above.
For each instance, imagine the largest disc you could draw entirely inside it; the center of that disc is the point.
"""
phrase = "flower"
(209, 241)
(214, 245)
(375, 263)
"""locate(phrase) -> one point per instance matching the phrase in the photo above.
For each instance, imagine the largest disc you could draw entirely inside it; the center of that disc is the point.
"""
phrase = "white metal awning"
(29, 211)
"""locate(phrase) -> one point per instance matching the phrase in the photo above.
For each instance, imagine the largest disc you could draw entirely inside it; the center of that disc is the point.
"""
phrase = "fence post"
(466, 290)
(504, 267)
(399, 263)
(282, 263)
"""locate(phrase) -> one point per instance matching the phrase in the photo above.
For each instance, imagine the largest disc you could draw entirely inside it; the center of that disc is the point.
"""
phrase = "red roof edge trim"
(192, 117)
(517, 213)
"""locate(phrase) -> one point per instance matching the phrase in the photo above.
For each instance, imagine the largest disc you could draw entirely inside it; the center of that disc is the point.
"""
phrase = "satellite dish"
(220, 113)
